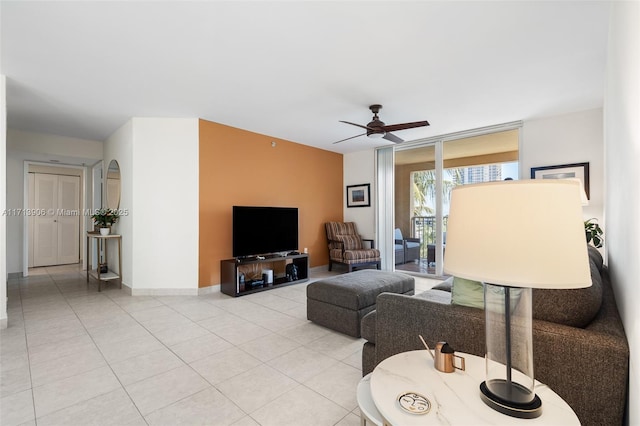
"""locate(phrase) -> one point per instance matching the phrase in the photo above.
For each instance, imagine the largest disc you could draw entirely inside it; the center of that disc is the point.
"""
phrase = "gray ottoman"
(340, 302)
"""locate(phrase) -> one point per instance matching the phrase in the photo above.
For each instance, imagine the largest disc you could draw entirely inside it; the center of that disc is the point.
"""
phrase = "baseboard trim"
(209, 289)
(201, 291)
(164, 292)
(321, 268)
(126, 289)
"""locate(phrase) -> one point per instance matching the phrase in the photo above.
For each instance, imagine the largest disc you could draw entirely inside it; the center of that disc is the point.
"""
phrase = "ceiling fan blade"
(393, 138)
(403, 126)
(352, 137)
(354, 124)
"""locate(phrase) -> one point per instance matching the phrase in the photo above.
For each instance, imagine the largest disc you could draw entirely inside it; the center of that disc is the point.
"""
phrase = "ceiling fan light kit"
(376, 129)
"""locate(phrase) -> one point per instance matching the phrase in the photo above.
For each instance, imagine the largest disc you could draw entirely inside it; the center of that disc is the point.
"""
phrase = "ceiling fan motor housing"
(375, 129)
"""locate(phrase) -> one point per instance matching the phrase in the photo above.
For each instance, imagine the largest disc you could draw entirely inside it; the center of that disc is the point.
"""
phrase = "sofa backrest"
(575, 307)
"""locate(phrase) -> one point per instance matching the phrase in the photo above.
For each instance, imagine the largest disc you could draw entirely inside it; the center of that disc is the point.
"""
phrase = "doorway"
(54, 215)
(426, 172)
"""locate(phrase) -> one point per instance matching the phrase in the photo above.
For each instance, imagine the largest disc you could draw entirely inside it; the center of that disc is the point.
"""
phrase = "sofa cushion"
(575, 307)
(595, 256)
(412, 244)
(444, 285)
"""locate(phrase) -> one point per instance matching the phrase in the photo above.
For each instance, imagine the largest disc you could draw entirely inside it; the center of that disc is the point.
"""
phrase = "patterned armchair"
(347, 247)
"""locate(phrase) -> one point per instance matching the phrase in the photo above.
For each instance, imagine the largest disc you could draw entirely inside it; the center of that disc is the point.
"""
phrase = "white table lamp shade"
(518, 233)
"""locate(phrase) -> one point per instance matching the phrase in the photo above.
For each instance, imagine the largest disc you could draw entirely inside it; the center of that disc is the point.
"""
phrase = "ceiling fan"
(377, 128)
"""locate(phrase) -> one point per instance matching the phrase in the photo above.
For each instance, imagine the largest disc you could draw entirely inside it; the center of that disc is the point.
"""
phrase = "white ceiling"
(291, 70)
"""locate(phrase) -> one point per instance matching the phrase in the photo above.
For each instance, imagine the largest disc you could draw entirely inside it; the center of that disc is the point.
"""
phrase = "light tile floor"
(73, 356)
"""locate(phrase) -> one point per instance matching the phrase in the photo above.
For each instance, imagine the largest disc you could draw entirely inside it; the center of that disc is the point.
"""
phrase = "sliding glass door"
(424, 174)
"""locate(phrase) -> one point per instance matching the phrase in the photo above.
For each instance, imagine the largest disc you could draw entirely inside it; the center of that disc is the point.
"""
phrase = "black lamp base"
(529, 410)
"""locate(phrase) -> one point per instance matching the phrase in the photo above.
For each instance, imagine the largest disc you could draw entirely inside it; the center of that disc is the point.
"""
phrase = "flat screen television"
(264, 230)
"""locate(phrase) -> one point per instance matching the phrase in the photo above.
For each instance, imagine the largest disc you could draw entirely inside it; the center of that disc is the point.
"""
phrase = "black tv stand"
(231, 271)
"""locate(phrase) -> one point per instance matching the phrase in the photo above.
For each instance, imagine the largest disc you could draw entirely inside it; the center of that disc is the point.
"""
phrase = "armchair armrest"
(370, 242)
(335, 242)
(404, 241)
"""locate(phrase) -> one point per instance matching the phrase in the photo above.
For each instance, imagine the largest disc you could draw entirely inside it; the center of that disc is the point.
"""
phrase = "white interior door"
(31, 219)
(45, 231)
(56, 232)
(68, 219)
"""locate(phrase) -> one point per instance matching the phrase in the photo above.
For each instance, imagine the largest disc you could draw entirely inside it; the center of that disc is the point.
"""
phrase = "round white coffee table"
(455, 397)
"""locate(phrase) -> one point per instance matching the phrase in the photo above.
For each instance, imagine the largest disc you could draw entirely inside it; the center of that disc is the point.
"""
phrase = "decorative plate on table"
(414, 403)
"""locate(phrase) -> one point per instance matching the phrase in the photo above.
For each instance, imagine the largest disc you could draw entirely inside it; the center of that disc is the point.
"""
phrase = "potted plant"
(104, 218)
(593, 232)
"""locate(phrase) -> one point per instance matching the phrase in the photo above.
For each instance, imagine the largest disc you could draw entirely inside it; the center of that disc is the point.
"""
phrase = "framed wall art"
(564, 171)
(359, 195)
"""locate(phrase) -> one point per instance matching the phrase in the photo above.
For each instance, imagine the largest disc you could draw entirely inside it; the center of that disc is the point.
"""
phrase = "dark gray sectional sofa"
(580, 347)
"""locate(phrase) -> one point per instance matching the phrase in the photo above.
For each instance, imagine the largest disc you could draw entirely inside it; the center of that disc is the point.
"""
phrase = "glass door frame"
(385, 181)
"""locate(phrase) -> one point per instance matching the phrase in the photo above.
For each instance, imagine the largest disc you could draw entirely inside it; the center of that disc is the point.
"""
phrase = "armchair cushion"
(350, 242)
(364, 254)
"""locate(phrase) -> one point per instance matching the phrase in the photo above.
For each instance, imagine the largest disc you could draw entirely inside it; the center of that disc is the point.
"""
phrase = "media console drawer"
(245, 276)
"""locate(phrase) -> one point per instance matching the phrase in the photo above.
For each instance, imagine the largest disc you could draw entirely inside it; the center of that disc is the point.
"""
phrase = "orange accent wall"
(238, 167)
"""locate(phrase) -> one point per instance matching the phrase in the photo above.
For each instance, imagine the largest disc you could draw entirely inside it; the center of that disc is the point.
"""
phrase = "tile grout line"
(180, 358)
(278, 332)
(74, 375)
(105, 359)
(26, 344)
(231, 343)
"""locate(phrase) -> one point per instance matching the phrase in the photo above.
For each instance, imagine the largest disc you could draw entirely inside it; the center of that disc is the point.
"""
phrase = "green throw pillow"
(467, 293)
(471, 293)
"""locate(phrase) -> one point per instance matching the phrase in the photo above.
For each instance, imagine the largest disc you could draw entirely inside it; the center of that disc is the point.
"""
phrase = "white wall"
(359, 167)
(3, 203)
(158, 160)
(563, 139)
(32, 146)
(165, 211)
(14, 196)
(119, 147)
(622, 201)
(42, 147)
(566, 139)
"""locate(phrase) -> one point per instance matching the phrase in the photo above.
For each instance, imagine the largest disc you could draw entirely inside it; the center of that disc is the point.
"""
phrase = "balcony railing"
(424, 227)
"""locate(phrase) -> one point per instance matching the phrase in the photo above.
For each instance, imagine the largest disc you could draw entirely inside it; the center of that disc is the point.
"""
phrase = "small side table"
(102, 247)
(455, 397)
(369, 414)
